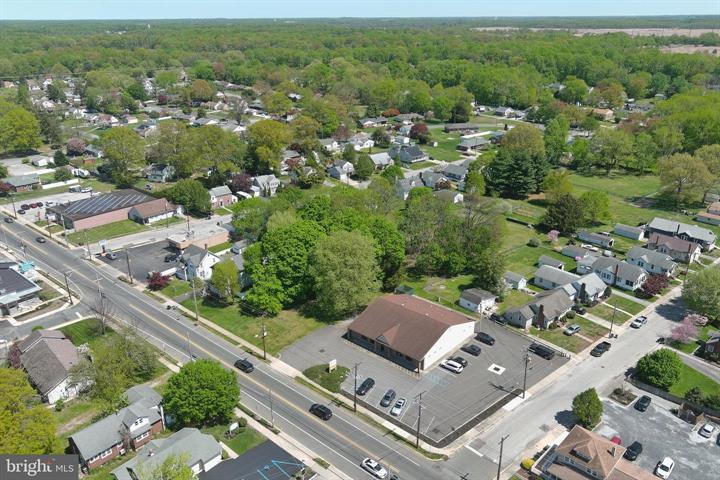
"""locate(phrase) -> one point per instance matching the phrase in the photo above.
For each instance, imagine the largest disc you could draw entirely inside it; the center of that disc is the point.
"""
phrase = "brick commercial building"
(100, 209)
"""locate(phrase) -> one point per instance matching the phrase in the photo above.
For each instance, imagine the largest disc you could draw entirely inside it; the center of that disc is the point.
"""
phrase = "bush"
(533, 242)
(527, 464)
(660, 368)
(242, 422)
(570, 315)
(59, 405)
(587, 408)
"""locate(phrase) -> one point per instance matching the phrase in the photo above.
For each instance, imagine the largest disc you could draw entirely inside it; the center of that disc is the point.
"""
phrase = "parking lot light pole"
(502, 442)
(355, 368)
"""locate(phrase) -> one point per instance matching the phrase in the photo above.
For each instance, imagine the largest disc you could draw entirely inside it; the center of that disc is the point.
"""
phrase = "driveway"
(16, 167)
(143, 259)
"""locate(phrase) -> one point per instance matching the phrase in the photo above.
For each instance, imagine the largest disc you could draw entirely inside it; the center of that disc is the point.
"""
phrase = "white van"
(452, 365)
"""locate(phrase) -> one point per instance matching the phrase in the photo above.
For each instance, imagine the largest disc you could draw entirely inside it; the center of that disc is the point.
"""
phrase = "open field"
(104, 232)
(625, 304)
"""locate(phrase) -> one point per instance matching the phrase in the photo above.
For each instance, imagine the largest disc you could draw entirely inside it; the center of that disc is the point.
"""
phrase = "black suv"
(600, 349)
(485, 338)
(545, 352)
(472, 349)
(321, 411)
(633, 451)
(643, 403)
(579, 309)
(365, 386)
(387, 398)
(244, 365)
(460, 360)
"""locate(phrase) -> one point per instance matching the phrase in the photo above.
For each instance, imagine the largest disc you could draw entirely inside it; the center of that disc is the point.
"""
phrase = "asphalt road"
(343, 441)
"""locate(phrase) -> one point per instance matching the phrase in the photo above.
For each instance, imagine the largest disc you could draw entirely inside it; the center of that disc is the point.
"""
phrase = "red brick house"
(99, 209)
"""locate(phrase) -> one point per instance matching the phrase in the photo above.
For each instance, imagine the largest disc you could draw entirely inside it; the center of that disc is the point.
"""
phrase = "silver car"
(398, 407)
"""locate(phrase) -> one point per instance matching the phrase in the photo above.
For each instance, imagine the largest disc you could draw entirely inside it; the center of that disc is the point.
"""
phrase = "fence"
(672, 398)
(73, 181)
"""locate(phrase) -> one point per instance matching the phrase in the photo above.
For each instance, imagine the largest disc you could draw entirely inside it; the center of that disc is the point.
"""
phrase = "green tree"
(587, 408)
(172, 148)
(710, 156)
(60, 159)
(202, 393)
(304, 132)
(660, 368)
(191, 194)
(611, 148)
(277, 103)
(26, 426)
(201, 91)
(701, 292)
(166, 78)
(597, 207)
(50, 128)
(392, 173)
(575, 90)
(125, 154)
(380, 137)
(340, 290)
(581, 154)
(644, 153)
(555, 138)
(266, 141)
(511, 174)
(556, 184)
(225, 279)
(173, 467)
(364, 166)
(62, 174)
(565, 215)
(684, 177)
(694, 396)
(668, 138)
(19, 131)
(475, 183)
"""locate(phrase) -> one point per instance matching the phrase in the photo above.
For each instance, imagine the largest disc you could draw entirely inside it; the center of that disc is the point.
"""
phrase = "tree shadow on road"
(565, 418)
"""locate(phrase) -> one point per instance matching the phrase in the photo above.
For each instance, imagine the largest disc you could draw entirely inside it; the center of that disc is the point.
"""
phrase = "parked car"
(170, 257)
(21, 211)
(579, 309)
(397, 409)
(485, 338)
(40, 239)
(545, 352)
(643, 403)
(499, 319)
(33, 205)
(86, 190)
(665, 468)
(600, 349)
(365, 386)
(572, 329)
(452, 366)
(460, 360)
(633, 451)
(639, 321)
(321, 411)
(25, 206)
(39, 204)
(50, 203)
(387, 398)
(111, 256)
(244, 365)
(707, 430)
(472, 349)
(374, 468)
(9, 220)
(616, 440)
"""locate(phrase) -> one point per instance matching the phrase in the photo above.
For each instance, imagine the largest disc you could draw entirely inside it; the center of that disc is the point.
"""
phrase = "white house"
(514, 281)
(40, 161)
(197, 262)
(477, 300)
(620, 273)
(634, 233)
(600, 239)
(652, 261)
(265, 185)
(154, 211)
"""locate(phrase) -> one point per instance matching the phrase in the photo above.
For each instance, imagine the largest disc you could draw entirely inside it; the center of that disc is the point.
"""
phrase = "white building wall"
(210, 464)
(469, 305)
(64, 390)
(449, 342)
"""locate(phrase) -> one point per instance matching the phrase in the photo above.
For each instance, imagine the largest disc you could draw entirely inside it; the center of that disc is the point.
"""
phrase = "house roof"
(574, 251)
(406, 324)
(473, 142)
(47, 357)
(195, 255)
(266, 461)
(627, 228)
(154, 208)
(652, 256)
(266, 181)
(513, 277)
(678, 228)
(547, 260)
(555, 275)
(554, 303)
(220, 191)
(625, 270)
(23, 180)
(199, 446)
(103, 203)
(14, 285)
(594, 237)
(594, 285)
(673, 243)
(477, 295)
(380, 159)
(455, 170)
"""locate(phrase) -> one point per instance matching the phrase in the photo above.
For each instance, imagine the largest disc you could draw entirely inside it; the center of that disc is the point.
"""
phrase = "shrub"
(242, 422)
(570, 315)
(587, 408)
(527, 464)
(158, 281)
(59, 405)
(660, 368)
(533, 242)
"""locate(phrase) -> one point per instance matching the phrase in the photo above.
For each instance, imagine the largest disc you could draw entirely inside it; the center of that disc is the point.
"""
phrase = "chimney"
(540, 317)
(613, 451)
(583, 292)
(617, 267)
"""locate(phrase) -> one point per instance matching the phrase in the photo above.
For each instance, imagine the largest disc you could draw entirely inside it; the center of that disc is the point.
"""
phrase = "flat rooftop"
(103, 203)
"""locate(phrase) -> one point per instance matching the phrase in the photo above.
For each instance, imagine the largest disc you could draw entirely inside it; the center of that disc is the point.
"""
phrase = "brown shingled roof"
(154, 208)
(406, 324)
(587, 448)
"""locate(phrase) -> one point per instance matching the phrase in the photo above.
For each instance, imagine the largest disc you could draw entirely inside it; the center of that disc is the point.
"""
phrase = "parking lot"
(38, 213)
(663, 434)
(449, 401)
(144, 259)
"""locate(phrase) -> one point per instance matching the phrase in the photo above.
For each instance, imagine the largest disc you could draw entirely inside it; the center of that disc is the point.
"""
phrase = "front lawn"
(419, 165)
(606, 312)
(625, 304)
(588, 328)
(244, 440)
(571, 343)
(523, 260)
(689, 377)
(220, 247)
(330, 381)
(282, 330)
(447, 146)
(176, 287)
(105, 232)
(85, 331)
(513, 299)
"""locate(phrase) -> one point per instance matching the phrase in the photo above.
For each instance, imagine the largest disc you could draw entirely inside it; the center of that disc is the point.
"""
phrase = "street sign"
(332, 365)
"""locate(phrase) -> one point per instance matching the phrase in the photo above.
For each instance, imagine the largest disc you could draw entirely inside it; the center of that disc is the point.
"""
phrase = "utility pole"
(192, 282)
(127, 258)
(12, 197)
(47, 220)
(87, 245)
(527, 362)
(263, 334)
(355, 389)
(187, 217)
(417, 430)
(272, 413)
(612, 320)
(187, 335)
(502, 442)
(67, 286)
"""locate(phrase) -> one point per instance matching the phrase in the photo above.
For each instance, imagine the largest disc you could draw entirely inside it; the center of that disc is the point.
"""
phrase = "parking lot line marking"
(474, 451)
(429, 424)
(78, 314)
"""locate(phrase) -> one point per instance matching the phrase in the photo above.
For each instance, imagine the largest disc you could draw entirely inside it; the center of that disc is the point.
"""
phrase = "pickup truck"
(600, 348)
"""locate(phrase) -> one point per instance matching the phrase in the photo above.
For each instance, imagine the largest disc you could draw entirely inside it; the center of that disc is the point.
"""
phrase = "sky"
(158, 9)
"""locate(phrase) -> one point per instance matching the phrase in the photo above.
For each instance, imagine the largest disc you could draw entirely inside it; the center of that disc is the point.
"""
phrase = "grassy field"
(85, 331)
(445, 291)
(513, 298)
(240, 443)
(572, 343)
(419, 165)
(282, 330)
(447, 146)
(625, 304)
(104, 232)
(523, 260)
(176, 287)
(589, 328)
(606, 312)
(689, 377)
(330, 381)
(220, 247)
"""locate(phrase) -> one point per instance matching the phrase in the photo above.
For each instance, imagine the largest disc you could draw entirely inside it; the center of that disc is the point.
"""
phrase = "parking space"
(663, 434)
(144, 259)
(449, 401)
(38, 213)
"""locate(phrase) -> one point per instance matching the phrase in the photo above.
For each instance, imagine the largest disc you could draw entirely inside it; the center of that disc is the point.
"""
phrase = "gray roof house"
(129, 427)
(16, 291)
(407, 153)
(23, 183)
(548, 277)
(702, 236)
(454, 172)
(473, 144)
(159, 172)
(553, 262)
(197, 262)
(596, 238)
(589, 288)
(514, 281)
(585, 265)
(544, 309)
(404, 185)
(620, 273)
(381, 160)
(575, 252)
(680, 250)
(652, 261)
(431, 179)
(634, 233)
(265, 185)
(477, 300)
(203, 452)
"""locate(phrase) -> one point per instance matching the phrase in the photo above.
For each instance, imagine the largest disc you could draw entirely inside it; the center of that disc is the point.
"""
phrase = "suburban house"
(477, 300)
(128, 428)
(341, 170)
(604, 114)
(473, 144)
(221, 196)
(410, 331)
(23, 183)
(40, 161)
(381, 160)
(620, 273)
(711, 216)
(404, 185)
(634, 233)
(702, 236)
(503, 112)
(267, 461)
(454, 172)
(407, 118)
(542, 311)
(407, 153)
(679, 250)
(160, 172)
(265, 185)
(197, 262)
(47, 356)
(401, 140)
(575, 252)
(712, 345)
(461, 127)
(99, 209)
(372, 122)
(17, 292)
(360, 141)
(553, 262)
(290, 159)
(146, 130)
(154, 211)
(586, 455)
(330, 145)
(431, 179)
(599, 239)
(589, 288)
(449, 195)
(202, 450)
(652, 261)
(548, 277)
(514, 281)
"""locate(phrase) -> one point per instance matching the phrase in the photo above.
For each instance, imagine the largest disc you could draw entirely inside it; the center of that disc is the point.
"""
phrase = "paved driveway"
(663, 434)
(143, 259)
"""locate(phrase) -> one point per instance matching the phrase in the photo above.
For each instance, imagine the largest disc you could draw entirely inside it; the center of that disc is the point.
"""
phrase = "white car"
(707, 430)
(374, 468)
(639, 321)
(50, 203)
(398, 407)
(452, 365)
(665, 468)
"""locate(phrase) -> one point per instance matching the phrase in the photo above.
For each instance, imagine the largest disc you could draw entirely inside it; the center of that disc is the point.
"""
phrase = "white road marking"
(474, 451)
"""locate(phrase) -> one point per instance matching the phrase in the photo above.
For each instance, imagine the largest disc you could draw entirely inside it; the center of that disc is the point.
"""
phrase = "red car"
(616, 440)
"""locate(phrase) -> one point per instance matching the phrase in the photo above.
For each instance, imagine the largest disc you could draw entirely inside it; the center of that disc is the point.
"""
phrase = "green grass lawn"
(85, 331)
(76, 414)
(176, 287)
(445, 291)
(447, 146)
(517, 235)
(419, 165)
(689, 377)
(330, 381)
(690, 347)
(589, 328)
(570, 343)
(246, 439)
(282, 330)
(625, 304)
(104, 232)
(220, 247)
(47, 292)
(523, 260)
(606, 312)
(513, 299)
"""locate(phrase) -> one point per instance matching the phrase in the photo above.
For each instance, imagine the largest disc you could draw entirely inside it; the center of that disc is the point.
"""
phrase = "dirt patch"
(711, 50)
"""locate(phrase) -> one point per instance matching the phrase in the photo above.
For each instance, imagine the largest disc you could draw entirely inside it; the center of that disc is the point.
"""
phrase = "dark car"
(39, 204)
(40, 239)
(539, 349)
(111, 256)
(485, 338)
(321, 411)
(33, 205)
(472, 349)
(579, 309)
(365, 386)
(600, 349)
(643, 403)
(171, 257)
(460, 360)
(9, 220)
(633, 451)
(25, 206)
(244, 365)
(388, 398)
(21, 211)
